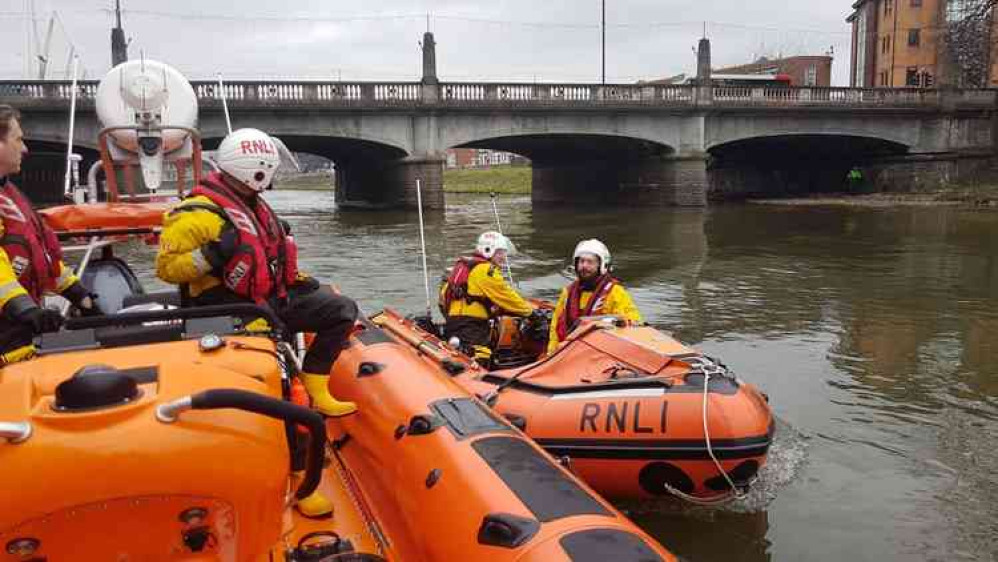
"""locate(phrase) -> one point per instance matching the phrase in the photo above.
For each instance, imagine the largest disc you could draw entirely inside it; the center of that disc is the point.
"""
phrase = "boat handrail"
(141, 317)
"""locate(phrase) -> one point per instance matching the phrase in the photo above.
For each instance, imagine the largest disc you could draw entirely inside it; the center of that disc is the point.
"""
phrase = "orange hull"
(127, 480)
(111, 483)
(623, 406)
(436, 468)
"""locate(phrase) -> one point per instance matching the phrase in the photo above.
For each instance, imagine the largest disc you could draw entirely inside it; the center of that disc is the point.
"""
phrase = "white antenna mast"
(225, 106)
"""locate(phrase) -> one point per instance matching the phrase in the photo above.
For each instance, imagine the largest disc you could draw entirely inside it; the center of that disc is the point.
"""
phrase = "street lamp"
(603, 41)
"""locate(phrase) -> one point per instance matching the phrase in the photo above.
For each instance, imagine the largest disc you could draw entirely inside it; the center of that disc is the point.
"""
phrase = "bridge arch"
(583, 167)
(793, 164)
(365, 171)
(561, 147)
(334, 129)
(726, 129)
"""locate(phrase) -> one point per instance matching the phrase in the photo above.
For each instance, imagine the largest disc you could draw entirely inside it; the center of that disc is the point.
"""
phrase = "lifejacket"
(569, 317)
(31, 246)
(265, 262)
(457, 284)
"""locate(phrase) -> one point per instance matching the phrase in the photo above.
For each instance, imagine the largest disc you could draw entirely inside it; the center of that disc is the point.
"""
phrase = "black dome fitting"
(94, 387)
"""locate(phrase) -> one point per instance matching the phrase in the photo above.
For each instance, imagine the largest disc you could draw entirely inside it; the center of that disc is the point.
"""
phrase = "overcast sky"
(524, 40)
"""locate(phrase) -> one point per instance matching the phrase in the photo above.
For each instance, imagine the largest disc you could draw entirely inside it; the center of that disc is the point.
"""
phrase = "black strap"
(195, 206)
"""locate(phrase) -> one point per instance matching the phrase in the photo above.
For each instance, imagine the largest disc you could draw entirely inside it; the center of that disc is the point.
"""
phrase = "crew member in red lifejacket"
(475, 290)
(594, 292)
(225, 244)
(30, 258)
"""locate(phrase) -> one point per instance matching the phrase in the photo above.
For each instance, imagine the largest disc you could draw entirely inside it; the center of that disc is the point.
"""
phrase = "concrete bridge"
(624, 143)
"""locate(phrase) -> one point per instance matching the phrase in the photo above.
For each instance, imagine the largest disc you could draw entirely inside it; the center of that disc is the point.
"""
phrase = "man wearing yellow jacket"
(30, 258)
(595, 292)
(224, 244)
(475, 290)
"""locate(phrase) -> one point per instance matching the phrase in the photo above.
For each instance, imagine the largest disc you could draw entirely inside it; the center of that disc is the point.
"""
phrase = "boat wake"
(787, 458)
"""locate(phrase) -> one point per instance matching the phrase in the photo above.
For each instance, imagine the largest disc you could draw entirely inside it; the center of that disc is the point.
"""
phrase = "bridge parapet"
(375, 95)
(460, 94)
(852, 97)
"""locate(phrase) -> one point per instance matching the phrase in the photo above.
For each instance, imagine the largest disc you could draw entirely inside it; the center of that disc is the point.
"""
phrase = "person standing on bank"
(30, 258)
(475, 291)
(594, 292)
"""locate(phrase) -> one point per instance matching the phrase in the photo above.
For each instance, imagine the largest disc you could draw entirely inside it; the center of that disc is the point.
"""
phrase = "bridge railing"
(464, 94)
(309, 93)
(46, 89)
(279, 93)
(797, 96)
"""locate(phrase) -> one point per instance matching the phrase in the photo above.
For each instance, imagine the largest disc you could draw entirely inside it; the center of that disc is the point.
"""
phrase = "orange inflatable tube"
(450, 480)
(624, 407)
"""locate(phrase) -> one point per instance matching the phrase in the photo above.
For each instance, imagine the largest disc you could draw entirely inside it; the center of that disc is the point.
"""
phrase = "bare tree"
(969, 41)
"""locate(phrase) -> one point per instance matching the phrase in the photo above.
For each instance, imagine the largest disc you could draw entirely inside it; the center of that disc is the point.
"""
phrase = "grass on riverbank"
(314, 181)
(507, 179)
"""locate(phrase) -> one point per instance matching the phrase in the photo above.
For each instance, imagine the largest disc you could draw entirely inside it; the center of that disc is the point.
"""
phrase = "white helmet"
(596, 248)
(250, 156)
(491, 241)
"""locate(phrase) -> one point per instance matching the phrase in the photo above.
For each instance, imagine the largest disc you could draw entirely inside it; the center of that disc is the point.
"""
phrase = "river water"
(872, 330)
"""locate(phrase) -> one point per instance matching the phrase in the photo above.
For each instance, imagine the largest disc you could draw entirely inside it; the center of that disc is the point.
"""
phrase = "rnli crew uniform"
(30, 266)
(474, 290)
(229, 248)
(577, 301)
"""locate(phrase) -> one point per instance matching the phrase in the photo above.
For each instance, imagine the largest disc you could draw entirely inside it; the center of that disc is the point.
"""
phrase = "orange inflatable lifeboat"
(449, 479)
(170, 435)
(631, 410)
(164, 436)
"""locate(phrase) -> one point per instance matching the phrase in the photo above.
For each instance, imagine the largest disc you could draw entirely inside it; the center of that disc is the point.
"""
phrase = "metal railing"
(468, 94)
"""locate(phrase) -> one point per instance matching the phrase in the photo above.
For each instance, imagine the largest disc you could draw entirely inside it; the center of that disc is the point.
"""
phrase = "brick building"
(802, 70)
(901, 43)
(478, 158)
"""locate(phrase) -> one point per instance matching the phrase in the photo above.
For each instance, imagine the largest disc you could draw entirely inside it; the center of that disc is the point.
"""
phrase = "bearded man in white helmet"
(224, 244)
(475, 290)
(593, 293)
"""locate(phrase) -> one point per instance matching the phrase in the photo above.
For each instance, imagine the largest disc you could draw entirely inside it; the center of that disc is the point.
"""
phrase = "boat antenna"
(422, 245)
(67, 188)
(495, 210)
(225, 106)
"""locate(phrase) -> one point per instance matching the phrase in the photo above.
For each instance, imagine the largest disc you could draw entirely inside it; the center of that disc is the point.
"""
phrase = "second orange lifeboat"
(633, 411)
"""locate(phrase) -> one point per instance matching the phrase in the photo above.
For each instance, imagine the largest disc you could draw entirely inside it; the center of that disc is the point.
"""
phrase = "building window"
(914, 38)
(911, 77)
(811, 75)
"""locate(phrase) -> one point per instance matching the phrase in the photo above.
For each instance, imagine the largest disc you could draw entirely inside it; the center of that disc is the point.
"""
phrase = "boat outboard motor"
(147, 105)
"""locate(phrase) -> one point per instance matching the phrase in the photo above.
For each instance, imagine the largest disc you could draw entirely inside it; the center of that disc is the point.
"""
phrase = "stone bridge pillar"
(387, 184)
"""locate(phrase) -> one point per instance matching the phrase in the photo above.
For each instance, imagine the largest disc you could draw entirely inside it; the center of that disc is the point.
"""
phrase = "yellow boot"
(317, 387)
(315, 506)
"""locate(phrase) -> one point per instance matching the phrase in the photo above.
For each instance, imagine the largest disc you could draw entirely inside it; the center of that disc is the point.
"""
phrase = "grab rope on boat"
(734, 492)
